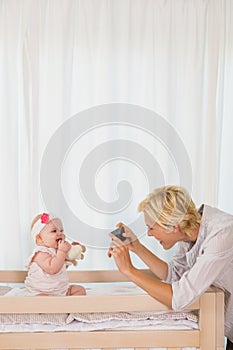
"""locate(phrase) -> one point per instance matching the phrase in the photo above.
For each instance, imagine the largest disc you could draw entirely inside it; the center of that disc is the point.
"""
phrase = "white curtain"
(59, 57)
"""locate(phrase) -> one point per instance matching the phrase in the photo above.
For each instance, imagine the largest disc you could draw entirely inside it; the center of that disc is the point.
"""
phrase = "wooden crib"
(209, 336)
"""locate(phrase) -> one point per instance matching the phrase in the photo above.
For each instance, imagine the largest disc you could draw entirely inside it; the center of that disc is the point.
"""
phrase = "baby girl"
(47, 272)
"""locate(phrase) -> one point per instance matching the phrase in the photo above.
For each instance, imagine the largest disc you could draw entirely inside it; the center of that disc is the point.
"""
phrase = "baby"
(47, 273)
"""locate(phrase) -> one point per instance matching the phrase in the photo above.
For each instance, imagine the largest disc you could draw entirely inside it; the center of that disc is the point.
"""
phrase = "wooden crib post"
(212, 320)
(220, 320)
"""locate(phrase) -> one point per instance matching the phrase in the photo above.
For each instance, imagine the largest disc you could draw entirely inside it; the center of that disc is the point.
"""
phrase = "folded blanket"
(4, 289)
(131, 316)
(62, 319)
(55, 319)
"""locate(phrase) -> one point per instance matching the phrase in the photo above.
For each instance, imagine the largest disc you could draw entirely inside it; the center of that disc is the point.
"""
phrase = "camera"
(118, 233)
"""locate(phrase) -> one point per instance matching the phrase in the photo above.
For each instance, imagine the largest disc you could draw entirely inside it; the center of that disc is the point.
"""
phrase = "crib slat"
(57, 304)
(95, 276)
(100, 339)
(12, 276)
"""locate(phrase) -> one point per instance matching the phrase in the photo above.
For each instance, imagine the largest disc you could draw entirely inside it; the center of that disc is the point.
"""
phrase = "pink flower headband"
(40, 223)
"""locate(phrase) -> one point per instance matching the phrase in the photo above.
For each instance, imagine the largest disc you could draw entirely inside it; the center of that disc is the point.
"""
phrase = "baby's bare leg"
(76, 290)
(42, 295)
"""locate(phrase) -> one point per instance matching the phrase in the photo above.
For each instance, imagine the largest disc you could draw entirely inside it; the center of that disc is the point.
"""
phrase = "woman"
(204, 256)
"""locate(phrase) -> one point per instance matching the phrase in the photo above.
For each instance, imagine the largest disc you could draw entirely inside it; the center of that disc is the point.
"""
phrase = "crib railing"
(209, 336)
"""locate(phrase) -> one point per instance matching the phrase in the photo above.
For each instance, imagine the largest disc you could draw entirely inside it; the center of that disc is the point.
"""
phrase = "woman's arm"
(156, 265)
(157, 289)
(161, 291)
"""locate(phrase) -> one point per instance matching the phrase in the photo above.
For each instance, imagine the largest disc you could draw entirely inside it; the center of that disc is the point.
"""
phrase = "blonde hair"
(171, 205)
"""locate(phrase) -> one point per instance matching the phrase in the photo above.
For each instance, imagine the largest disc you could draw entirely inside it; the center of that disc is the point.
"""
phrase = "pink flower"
(44, 218)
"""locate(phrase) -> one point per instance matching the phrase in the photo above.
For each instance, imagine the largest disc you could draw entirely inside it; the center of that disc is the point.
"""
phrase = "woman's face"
(167, 237)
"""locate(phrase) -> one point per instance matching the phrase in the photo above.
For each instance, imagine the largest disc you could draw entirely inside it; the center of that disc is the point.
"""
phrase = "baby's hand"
(64, 246)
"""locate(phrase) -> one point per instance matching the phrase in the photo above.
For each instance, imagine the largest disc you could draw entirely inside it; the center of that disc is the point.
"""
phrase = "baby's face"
(52, 233)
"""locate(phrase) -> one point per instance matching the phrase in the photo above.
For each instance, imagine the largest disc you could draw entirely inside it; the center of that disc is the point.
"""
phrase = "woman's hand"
(120, 252)
(131, 241)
